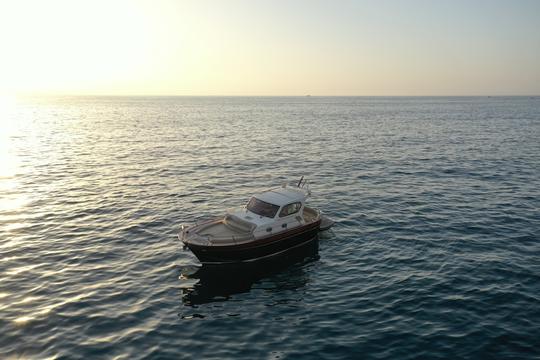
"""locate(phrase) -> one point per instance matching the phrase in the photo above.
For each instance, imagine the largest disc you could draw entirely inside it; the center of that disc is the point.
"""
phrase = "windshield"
(262, 208)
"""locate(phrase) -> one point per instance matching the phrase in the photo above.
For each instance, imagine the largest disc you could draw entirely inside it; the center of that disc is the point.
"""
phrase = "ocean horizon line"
(269, 96)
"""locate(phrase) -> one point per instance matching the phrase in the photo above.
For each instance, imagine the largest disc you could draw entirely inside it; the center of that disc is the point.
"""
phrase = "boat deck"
(232, 229)
(224, 229)
(309, 214)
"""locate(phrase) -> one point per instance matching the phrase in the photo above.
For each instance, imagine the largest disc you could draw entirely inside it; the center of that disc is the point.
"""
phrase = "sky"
(258, 47)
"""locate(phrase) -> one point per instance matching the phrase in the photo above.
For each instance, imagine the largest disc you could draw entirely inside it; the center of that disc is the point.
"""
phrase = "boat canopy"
(282, 196)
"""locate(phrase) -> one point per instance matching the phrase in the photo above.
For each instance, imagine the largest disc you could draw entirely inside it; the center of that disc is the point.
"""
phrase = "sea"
(435, 253)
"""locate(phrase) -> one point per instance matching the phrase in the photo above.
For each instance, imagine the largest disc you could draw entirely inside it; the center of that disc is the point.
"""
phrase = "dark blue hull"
(271, 247)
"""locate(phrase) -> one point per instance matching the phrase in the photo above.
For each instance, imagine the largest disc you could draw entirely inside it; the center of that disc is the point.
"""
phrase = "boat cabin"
(277, 203)
(267, 213)
(277, 210)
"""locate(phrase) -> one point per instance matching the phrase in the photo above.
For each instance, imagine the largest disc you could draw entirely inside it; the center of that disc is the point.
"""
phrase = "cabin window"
(290, 209)
(262, 208)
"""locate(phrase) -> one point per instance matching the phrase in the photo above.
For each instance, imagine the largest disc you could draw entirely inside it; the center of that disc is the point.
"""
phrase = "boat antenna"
(300, 182)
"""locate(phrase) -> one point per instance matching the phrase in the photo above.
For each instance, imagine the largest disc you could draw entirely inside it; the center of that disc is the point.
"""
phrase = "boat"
(272, 223)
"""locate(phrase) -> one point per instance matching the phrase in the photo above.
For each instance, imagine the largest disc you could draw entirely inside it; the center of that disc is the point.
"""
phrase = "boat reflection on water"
(218, 283)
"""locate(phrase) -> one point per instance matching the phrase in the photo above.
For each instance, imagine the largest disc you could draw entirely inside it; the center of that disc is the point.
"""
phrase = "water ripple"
(434, 255)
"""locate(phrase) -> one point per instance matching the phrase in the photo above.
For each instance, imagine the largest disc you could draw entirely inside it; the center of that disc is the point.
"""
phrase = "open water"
(435, 254)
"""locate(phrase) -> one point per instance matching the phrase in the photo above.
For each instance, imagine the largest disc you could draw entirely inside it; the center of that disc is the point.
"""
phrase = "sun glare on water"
(8, 163)
(10, 197)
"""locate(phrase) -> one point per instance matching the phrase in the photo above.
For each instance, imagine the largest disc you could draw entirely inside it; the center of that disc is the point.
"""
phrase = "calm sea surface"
(435, 254)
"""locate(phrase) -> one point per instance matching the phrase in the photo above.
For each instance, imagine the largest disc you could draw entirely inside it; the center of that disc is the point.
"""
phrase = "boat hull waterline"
(263, 248)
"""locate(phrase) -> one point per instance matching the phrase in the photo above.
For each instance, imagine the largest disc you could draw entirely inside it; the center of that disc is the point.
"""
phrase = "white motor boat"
(272, 223)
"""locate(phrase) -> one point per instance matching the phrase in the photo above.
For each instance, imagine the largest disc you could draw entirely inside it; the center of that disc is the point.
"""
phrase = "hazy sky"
(230, 47)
